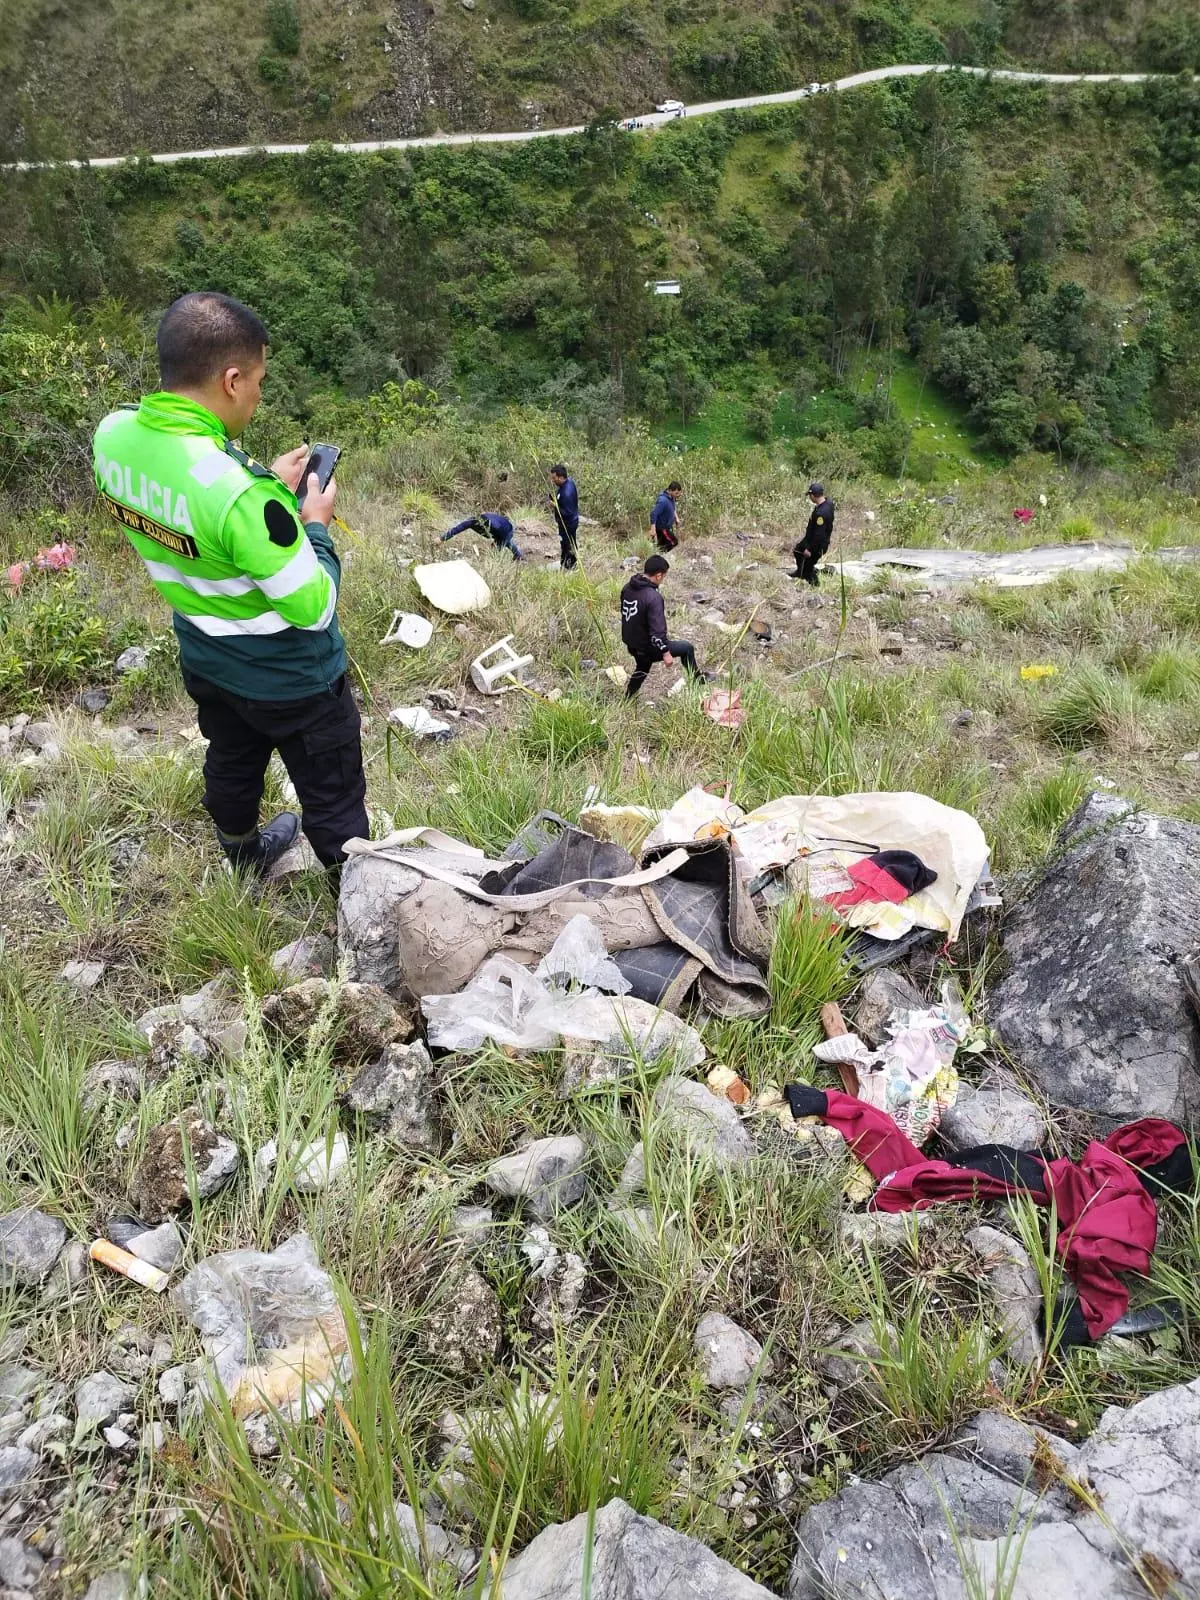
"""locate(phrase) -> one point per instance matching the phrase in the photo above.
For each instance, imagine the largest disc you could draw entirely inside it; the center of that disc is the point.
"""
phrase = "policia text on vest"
(252, 587)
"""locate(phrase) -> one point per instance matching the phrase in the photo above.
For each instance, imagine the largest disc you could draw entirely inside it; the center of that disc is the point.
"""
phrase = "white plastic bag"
(579, 955)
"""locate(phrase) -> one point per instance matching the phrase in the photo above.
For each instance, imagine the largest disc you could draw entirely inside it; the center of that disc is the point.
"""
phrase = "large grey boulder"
(1144, 1465)
(1094, 1005)
(633, 1558)
(997, 1513)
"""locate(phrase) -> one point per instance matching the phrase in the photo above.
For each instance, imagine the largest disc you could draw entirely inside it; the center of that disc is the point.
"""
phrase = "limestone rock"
(850, 1360)
(463, 1331)
(314, 956)
(882, 1230)
(398, 1096)
(161, 1246)
(20, 1565)
(116, 1080)
(706, 1122)
(159, 1187)
(83, 975)
(643, 1033)
(633, 1558)
(1094, 1005)
(992, 1115)
(17, 1466)
(30, 1244)
(729, 1356)
(884, 991)
(471, 1226)
(114, 1585)
(100, 1400)
(1015, 1288)
(1143, 1463)
(548, 1173)
(367, 1019)
(429, 1540)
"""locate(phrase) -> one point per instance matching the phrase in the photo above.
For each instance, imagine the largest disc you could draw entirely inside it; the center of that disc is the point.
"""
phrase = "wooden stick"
(834, 1025)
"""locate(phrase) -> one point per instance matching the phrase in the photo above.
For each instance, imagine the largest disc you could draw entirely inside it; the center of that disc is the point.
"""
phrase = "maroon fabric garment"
(1107, 1223)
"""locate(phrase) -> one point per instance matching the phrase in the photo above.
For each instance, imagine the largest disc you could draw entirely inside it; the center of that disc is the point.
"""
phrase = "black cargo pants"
(319, 741)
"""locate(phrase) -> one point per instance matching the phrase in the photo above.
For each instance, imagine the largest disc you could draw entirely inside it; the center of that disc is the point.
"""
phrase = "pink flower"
(16, 574)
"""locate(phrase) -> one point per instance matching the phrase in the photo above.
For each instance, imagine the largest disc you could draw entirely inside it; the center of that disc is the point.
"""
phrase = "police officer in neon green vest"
(242, 555)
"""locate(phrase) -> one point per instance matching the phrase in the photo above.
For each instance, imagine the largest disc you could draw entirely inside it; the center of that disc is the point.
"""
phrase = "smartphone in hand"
(322, 459)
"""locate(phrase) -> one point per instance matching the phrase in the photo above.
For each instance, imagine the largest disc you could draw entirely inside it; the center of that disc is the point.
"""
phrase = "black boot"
(255, 852)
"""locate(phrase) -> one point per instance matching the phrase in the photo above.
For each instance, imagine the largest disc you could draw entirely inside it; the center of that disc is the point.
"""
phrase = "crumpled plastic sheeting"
(823, 831)
(508, 1004)
(271, 1323)
(578, 956)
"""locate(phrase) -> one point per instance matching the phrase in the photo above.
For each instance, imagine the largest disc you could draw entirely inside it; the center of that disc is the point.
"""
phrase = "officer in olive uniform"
(817, 535)
(242, 555)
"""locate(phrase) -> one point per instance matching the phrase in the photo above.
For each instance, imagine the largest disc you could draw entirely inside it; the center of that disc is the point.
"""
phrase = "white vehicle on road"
(814, 88)
(673, 108)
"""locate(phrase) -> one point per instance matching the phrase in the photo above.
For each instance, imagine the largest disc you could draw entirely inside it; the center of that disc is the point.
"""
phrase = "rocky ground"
(519, 1285)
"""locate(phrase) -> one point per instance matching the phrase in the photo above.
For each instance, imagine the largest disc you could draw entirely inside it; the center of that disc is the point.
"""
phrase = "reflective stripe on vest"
(173, 488)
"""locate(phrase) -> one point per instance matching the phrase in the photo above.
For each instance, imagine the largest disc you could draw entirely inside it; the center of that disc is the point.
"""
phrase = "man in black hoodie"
(644, 627)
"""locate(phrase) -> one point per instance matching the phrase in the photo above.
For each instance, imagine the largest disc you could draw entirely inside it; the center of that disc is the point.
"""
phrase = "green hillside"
(911, 279)
(111, 76)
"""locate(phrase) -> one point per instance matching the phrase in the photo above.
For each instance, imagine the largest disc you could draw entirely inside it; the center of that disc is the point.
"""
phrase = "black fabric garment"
(805, 1101)
(1174, 1175)
(908, 869)
(1023, 1169)
(680, 649)
(643, 618)
(571, 857)
(319, 742)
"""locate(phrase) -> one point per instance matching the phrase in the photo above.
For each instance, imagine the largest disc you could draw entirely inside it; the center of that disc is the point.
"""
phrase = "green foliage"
(49, 639)
(283, 26)
(559, 732)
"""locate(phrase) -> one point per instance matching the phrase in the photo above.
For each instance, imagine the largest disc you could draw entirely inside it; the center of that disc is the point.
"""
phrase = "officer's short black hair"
(203, 333)
(559, 471)
(655, 565)
(674, 484)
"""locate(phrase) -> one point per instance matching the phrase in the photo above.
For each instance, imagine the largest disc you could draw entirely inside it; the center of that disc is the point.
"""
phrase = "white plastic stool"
(497, 662)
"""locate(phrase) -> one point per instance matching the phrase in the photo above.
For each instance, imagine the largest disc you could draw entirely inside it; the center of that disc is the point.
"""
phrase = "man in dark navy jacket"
(664, 517)
(566, 515)
(495, 525)
(644, 627)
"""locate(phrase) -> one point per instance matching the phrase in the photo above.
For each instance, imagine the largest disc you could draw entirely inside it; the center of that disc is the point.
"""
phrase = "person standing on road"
(817, 535)
(644, 627)
(242, 555)
(493, 525)
(665, 516)
(566, 515)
